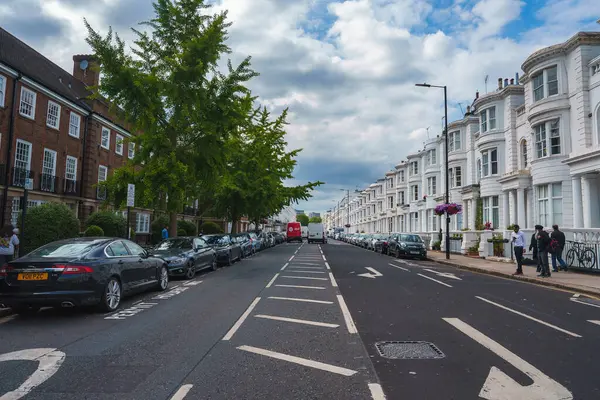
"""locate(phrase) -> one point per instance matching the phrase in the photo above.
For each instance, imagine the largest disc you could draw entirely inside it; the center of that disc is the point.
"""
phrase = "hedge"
(209, 227)
(47, 223)
(112, 224)
(181, 232)
(186, 226)
(93, 230)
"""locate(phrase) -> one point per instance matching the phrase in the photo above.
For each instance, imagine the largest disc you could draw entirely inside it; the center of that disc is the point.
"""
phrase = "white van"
(316, 233)
(305, 232)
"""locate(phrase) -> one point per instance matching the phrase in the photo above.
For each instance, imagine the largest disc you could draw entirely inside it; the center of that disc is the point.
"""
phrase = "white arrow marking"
(368, 275)
(594, 321)
(444, 274)
(499, 386)
(49, 361)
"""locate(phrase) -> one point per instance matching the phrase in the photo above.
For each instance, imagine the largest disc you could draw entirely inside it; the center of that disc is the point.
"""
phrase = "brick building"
(54, 136)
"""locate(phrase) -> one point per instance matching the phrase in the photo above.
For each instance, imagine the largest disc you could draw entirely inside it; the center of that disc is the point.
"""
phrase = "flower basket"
(448, 209)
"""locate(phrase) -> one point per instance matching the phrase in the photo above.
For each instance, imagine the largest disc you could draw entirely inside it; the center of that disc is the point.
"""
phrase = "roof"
(32, 64)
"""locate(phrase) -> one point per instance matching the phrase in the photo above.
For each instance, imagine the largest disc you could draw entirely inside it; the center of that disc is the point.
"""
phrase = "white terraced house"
(527, 153)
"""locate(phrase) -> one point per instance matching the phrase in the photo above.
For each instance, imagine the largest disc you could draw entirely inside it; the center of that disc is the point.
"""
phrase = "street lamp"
(426, 85)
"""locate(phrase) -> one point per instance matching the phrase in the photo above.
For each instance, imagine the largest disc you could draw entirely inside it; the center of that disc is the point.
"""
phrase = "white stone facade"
(528, 153)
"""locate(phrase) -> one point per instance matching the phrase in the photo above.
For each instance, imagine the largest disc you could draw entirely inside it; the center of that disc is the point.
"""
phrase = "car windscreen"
(213, 239)
(64, 250)
(410, 238)
(174, 244)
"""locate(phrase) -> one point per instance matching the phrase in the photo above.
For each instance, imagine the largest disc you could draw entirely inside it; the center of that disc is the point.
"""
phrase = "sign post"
(130, 203)
(24, 200)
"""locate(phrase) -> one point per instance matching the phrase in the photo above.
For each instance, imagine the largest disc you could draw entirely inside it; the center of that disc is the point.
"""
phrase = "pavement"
(304, 322)
(588, 283)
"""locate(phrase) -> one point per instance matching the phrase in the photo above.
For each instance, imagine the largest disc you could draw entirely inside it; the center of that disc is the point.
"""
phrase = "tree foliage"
(210, 227)
(315, 220)
(46, 223)
(112, 224)
(303, 219)
(172, 92)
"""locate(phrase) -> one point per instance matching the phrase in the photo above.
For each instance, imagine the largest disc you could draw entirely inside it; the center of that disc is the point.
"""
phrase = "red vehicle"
(294, 232)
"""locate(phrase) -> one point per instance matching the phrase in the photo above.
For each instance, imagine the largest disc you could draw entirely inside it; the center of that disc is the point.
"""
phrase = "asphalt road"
(302, 322)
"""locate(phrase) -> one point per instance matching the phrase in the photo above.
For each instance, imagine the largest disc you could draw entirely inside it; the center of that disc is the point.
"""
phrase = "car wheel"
(26, 310)
(190, 272)
(111, 296)
(163, 279)
(229, 261)
(214, 265)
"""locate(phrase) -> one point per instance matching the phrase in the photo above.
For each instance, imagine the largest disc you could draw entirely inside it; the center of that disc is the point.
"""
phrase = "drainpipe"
(11, 129)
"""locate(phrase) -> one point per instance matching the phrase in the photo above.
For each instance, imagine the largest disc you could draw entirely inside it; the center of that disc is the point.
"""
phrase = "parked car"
(186, 255)
(245, 242)
(267, 240)
(380, 241)
(407, 244)
(80, 272)
(227, 250)
(256, 241)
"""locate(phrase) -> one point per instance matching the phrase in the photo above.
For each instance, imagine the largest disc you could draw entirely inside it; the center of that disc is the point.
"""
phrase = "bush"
(93, 230)
(209, 227)
(157, 226)
(46, 223)
(188, 227)
(437, 245)
(112, 225)
(181, 232)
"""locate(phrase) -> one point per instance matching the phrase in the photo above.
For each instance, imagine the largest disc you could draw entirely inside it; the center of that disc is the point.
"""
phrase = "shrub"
(437, 245)
(188, 227)
(210, 227)
(93, 230)
(181, 232)
(112, 225)
(157, 226)
(46, 223)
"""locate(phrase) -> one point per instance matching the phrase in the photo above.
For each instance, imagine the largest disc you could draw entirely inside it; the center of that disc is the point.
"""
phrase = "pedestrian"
(557, 245)
(15, 241)
(543, 246)
(518, 238)
(534, 251)
(7, 248)
(165, 232)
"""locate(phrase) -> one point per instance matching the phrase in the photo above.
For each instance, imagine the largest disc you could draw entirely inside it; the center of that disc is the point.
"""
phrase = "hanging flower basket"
(448, 209)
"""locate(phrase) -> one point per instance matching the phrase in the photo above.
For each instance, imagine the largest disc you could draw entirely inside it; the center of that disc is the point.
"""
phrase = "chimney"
(506, 82)
(85, 69)
(476, 95)
(517, 78)
(499, 83)
(512, 81)
(468, 110)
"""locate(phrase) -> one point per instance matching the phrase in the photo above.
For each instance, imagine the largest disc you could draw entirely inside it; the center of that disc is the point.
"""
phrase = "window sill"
(105, 148)
(74, 137)
(27, 116)
(57, 129)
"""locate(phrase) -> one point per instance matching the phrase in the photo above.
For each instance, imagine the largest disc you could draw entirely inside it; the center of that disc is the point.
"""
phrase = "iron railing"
(48, 183)
(20, 176)
(582, 256)
(70, 187)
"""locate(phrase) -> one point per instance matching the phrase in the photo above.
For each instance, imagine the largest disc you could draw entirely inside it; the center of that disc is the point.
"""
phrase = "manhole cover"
(409, 350)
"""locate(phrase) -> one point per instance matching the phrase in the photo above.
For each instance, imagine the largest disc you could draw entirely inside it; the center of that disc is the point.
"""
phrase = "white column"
(520, 206)
(513, 210)
(530, 200)
(506, 210)
(577, 202)
(586, 187)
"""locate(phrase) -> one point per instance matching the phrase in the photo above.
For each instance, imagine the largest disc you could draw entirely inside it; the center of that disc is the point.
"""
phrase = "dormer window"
(545, 83)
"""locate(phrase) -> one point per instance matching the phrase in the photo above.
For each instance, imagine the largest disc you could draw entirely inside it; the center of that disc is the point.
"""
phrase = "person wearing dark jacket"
(534, 252)
(543, 246)
(558, 239)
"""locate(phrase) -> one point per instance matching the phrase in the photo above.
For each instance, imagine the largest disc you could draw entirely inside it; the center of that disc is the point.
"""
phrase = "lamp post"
(426, 85)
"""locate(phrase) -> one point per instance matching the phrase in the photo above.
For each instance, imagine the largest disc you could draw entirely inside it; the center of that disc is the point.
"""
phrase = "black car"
(407, 244)
(245, 242)
(186, 255)
(80, 272)
(227, 250)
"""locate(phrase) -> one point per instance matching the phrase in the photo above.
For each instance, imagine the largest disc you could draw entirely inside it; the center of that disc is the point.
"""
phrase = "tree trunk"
(234, 220)
(172, 224)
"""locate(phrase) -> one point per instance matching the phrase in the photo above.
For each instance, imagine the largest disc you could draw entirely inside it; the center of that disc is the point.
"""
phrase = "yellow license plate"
(33, 276)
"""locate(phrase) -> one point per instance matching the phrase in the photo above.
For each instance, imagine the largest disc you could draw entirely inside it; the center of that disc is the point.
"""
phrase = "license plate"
(415, 252)
(33, 276)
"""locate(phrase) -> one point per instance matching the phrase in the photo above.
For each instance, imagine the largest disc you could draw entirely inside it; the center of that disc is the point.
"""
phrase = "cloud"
(346, 69)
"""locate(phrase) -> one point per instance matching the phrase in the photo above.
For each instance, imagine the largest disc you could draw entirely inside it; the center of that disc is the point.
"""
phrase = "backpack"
(554, 246)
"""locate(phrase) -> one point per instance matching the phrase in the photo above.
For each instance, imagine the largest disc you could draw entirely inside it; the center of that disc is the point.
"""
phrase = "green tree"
(171, 91)
(303, 219)
(315, 220)
(46, 223)
(112, 224)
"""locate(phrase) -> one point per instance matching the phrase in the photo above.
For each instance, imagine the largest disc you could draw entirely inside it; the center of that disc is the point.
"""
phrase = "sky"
(345, 69)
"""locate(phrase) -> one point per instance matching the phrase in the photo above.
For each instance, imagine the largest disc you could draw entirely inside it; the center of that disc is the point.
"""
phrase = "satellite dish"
(83, 64)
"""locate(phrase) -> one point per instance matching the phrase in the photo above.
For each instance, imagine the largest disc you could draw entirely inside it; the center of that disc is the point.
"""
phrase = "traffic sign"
(28, 184)
(130, 195)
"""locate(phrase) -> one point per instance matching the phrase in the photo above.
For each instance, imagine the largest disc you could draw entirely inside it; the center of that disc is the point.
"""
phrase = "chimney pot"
(516, 78)
(499, 83)
(468, 109)
(512, 81)
(477, 95)
(505, 82)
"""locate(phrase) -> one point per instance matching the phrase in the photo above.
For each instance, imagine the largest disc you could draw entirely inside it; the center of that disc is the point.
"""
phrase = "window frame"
(544, 146)
(48, 115)
(26, 90)
(549, 200)
(145, 222)
(3, 80)
(414, 189)
(454, 141)
(105, 130)
(414, 168)
(491, 212)
(67, 169)
(486, 122)
(523, 154)
(105, 169)
(490, 164)
(71, 115)
(545, 83)
(431, 185)
(119, 144)
(50, 151)
(131, 152)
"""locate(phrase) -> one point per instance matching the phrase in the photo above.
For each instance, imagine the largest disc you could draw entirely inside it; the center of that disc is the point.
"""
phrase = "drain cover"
(409, 350)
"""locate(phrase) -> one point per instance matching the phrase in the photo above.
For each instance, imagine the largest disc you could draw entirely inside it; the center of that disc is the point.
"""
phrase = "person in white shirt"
(518, 238)
(15, 241)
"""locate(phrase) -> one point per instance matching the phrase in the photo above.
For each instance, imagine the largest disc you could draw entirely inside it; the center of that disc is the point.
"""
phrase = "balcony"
(48, 183)
(20, 176)
(70, 187)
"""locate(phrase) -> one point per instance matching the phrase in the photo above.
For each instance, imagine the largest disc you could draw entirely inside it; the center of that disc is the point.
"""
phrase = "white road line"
(286, 264)
(297, 360)
(272, 280)
(7, 319)
(324, 259)
(182, 392)
(332, 279)
(308, 258)
(305, 272)
(346, 313)
(240, 321)
(291, 258)
(302, 287)
(297, 321)
(576, 295)
(301, 300)
(192, 283)
(301, 267)
(399, 267)
(593, 321)
(304, 277)
(376, 391)
(575, 300)
(435, 280)
(529, 317)
(327, 265)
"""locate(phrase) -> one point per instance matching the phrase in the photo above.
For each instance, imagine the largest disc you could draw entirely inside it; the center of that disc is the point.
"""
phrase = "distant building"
(299, 212)
(314, 214)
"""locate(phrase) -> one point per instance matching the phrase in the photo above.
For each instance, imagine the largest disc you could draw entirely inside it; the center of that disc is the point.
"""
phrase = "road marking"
(529, 317)
(399, 267)
(324, 259)
(182, 392)
(301, 267)
(286, 264)
(291, 258)
(49, 361)
(301, 287)
(131, 311)
(373, 274)
(171, 293)
(297, 360)
(347, 316)
(7, 318)
(301, 300)
(192, 283)
(444, 274)
(499, 386)
(305, 263)
(240, 321)
(435, 280)
(297, 321)
(304, 277)
(305, 272)
(576, 295)
(333, 282)
(272, 280)
(327, 265)
(376, 391)
(575, 300)
(593, 321)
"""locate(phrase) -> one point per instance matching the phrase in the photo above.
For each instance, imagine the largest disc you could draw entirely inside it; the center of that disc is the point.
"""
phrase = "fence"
(455, 245)
(582, 256)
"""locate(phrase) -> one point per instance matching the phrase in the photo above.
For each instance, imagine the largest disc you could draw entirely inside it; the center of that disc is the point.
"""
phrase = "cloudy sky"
(346, 69)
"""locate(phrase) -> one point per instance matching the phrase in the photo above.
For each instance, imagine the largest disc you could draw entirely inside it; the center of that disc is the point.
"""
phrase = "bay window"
(401, 198)
(414, 168)
(545, 83)
(391, 202)
(543, 141)
(400, 176)
(487, 119)
(491, 211)
(489, 162)
(431, 186)
(454, 141)
(455, 177)
(414, 222)
(414, 195)
(549, 200)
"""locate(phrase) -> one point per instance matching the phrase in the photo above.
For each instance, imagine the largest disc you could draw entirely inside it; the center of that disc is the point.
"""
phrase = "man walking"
(518, 238)
(543, 244)
(557, 244)
(165, 232)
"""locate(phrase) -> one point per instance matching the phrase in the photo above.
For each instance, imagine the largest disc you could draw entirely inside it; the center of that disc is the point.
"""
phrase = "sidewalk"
(579, 282)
